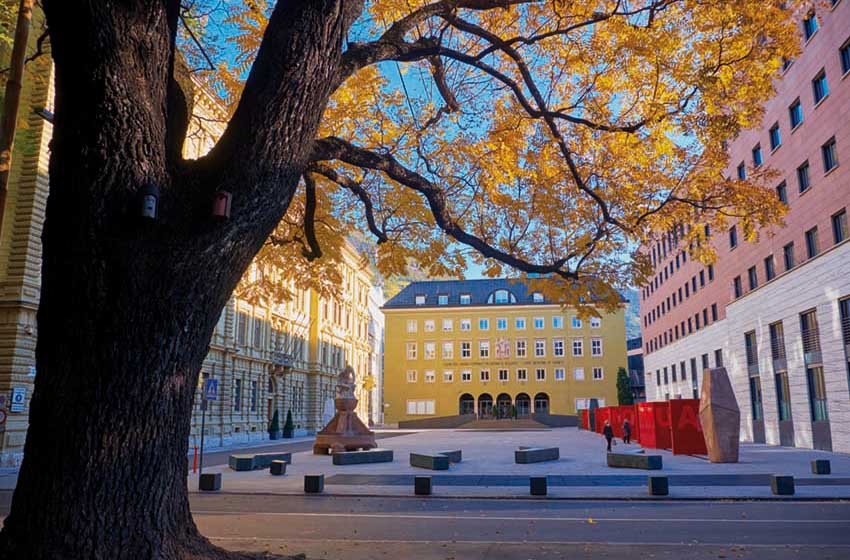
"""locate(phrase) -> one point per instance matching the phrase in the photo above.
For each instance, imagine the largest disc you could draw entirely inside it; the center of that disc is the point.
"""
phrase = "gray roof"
(478, 290)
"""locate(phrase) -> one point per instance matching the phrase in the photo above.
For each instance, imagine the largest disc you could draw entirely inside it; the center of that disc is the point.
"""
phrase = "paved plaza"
(488, 469)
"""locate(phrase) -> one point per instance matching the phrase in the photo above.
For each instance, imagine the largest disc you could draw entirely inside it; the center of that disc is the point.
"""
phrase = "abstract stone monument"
(345, 431)
(720, 416)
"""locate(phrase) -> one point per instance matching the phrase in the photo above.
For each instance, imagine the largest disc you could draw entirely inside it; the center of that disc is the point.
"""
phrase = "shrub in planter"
(288, 426)
(274, 427)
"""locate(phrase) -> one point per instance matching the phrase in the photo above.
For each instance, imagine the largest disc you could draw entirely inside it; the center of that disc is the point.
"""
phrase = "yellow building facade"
(487, 347)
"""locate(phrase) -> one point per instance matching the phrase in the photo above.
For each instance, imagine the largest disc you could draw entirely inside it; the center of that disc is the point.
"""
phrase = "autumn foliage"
(550, 137)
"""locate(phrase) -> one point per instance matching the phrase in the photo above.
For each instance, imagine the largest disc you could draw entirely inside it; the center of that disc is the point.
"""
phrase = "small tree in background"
(288, 427)
(274, 426)
(624, 389)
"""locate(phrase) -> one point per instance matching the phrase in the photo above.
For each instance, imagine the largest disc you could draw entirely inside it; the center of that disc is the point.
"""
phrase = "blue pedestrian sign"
(210, 389)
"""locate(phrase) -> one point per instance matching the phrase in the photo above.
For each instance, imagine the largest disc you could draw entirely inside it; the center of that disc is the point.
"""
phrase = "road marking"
(516, 518)
(526, 543)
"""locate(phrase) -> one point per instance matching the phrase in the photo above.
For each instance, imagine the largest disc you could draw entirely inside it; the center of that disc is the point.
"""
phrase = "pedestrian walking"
(608, 432)
(627, 431)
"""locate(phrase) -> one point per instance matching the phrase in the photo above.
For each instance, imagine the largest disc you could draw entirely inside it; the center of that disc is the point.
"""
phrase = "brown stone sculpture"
(720, 417)
(345, 431)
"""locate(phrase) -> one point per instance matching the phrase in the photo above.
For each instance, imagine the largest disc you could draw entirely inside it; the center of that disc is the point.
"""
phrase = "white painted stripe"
(584, 519)
(525, 543)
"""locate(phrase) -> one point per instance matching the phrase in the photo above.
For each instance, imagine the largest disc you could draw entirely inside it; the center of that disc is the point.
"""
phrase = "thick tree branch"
(348, 183)
(336, 148)
(313, 251)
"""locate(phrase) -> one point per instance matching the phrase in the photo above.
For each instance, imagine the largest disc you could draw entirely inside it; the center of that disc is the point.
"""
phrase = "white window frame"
(448, 376)
(578, 373)
(430, 376)
(557, 321)
(502, 324)
(580, 352)
(483, 324)
(504, 375)
(537, 297)
(539, 347)
(421, 407)
(411, 376)
(465, 348)
(450, 345)
(575, 322)
(483, 348)
(411, 350)
(465, 299)
(600, 372)
(442, 299)
(594, 344)
(596, 322)
(412, 326)
(465, 375)
(558, 352)
(539, 323)
(419, 300)
(560, 374)
(466, 324)
(521, 348)
(448, 325)
(429, 351)
(537, 374)
(484, 375)
(429, 325)
(522, 374)
(519, 323)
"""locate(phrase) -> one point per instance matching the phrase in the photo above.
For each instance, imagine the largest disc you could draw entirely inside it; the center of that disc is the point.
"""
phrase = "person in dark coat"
(608, 432)
(627, 431)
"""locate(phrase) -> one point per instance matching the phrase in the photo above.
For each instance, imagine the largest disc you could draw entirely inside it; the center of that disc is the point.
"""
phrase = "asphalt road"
(510, 529)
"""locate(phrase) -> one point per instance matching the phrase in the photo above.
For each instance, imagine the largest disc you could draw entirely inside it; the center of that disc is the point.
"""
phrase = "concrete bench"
(436, 462)
(525, 455)
(455, 456)
(314, 483)
(360, 457)
(253, 461)
(634, 461)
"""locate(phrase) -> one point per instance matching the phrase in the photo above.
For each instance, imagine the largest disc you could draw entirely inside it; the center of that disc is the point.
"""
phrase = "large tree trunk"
(127, 307)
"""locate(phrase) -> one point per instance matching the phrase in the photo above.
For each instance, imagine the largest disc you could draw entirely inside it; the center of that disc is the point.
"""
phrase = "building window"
(830, 156)
(769, 271)
(578, 347)
(430, 377)
(539, 323)
(237, 395)
(795, 113)
(752, 276)
(429, 325)
(819, 87)
(537, 297)
(782, 193)
(465, 349)
(520, 323)
(502, 296)
(411, 350)
(845, 58)
(742, 171)
(775, 136)
(736, 288)
(448, 377)
(483, 324)
(558, 347)
(598, 374)
(817, 394)
(465, 299)
(578, 374)
(485, 375)
(241, 328)
(812, 242)
(788, 255)
(442, 299)
(595, 346)
(412, 325)
(710, 275)
(484, 348)
(539, 348)
(503, 375)
(558, 322)
(501, 324)
(421, 408)
(465, 375)
(430, 350)
(411, 376)
(596, 322)
(718, 358)
(420, 300)
(448, 350)
(733, 237)
(713, 311)
(803, 176)
(575, 322)
(755, 397)
(448, 325)
(521, 348)
(810, 25)
(559, 374)
(839, 226)
(522, 374)
(757, 159)
(466, 324)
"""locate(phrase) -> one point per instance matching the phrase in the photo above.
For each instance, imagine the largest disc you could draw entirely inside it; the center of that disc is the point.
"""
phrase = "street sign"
(211, 389)
(19, 397)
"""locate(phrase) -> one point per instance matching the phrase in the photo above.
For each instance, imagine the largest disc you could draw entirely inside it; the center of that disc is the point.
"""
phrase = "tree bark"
(127, 306)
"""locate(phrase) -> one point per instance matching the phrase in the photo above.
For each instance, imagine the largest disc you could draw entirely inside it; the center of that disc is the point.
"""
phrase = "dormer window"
(537, 297)
(420, 300)
(442, 299)
(501, 297)
(465, 299)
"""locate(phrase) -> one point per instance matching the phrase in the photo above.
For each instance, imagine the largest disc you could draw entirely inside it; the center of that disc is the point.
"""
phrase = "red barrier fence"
(654, 419)
(685, 427)
(584, 418)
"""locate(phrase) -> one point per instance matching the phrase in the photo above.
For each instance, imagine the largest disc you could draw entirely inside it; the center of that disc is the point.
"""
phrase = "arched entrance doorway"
(485, 405)
(541, 403)
(523, 404)
(467, 404)
(503, 405)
